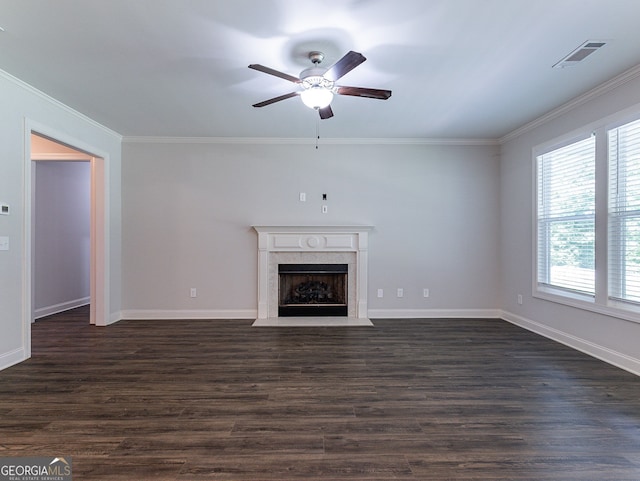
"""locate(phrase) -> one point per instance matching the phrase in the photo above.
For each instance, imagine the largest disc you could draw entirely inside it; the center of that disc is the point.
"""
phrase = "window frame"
(547, 286)
(601, 303)
(615, 218)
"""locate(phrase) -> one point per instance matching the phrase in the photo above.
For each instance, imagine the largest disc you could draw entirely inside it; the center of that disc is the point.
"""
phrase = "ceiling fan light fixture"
(316, 97)
(319, 84)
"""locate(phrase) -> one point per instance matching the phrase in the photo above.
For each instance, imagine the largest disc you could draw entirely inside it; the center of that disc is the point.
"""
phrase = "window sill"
(617, 309)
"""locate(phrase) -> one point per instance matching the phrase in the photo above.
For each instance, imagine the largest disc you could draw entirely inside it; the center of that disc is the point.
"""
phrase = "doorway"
(43, 145)
(61, 227)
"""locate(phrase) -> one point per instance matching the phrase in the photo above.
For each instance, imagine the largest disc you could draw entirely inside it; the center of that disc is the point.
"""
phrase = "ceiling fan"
(318, 84)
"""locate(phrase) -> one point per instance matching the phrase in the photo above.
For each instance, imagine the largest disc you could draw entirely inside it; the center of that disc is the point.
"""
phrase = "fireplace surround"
(289, 245)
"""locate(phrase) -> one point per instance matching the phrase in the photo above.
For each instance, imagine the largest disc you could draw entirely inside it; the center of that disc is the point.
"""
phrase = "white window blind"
(566, 217)
(624, 212)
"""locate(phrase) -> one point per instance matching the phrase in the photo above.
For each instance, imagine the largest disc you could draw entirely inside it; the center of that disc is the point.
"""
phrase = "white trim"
(434, 313)
(115, 317)
(12, 358)
(32, 90)
(169, 314)
(601, 89)
(305, 141)
(61, 307)
(100, 202)
(605, 354)
(79, 157)
(100, 230)
(619, 310)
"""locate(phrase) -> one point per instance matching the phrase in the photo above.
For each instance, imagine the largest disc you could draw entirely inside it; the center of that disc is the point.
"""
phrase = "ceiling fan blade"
(345, 65)
(326, 112)
(363, 92)
(270, 71)
(276, 99)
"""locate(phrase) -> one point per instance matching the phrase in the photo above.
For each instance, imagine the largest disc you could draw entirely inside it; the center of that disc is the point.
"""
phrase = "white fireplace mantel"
(312, 244)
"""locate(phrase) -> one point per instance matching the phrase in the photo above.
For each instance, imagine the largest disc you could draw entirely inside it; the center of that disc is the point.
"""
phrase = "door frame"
(99, 238)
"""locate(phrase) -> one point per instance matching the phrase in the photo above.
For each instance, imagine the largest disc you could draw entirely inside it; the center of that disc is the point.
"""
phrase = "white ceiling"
(457, 68)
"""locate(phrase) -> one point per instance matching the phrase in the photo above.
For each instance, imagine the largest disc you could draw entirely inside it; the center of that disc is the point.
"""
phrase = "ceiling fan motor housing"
(314, 77)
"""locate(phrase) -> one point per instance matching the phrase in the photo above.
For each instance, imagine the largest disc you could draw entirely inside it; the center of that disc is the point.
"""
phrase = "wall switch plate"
(193, 292)
(380, 293)
(4, 243)
(520, 299)
(325, 209)
(303, 197)
(400, 292)
(425, 292)
(4, 209)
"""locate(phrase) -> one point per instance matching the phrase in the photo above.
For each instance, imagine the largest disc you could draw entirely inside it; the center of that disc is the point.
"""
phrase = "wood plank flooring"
(407, 399)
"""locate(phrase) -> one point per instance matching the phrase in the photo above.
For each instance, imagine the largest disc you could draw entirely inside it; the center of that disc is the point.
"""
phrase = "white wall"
(609, 338)
(23, 105)
(188, 210)
(61, 233)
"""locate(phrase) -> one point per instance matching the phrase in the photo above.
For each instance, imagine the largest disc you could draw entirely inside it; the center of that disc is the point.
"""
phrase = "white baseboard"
(157, 314)
(57, 308)
(434, 313)
(114, 317)
(12, 358)
(605, 354)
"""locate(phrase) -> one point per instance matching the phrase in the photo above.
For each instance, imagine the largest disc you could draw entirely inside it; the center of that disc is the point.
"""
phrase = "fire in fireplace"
(312, 290)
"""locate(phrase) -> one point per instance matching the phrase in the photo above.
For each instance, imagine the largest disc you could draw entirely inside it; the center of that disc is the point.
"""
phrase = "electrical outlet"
(400, 292)
(425, 292)
(380, 293)
(193, 292)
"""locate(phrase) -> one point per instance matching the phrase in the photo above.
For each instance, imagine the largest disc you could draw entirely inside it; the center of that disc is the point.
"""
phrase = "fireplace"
(312, 290)
(345, 245)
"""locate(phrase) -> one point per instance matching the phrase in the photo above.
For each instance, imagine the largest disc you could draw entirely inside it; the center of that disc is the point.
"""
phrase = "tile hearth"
(324, 321)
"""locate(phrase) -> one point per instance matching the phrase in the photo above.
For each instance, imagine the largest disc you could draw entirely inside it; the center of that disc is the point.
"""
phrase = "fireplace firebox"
(312, 290)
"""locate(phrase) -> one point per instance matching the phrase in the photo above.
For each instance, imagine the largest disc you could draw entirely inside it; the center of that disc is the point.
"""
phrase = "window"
(624, 213)
(566, 218)
(587, 221)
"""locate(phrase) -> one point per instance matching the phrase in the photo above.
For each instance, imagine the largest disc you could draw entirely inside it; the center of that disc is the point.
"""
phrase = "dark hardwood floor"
(407, 399)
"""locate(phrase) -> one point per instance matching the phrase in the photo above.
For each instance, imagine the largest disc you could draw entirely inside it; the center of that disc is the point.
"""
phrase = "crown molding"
(32, 90)
(601, 89)
(304, 141)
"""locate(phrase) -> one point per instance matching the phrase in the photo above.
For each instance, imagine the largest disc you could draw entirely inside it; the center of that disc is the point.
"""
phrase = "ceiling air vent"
(579, 54)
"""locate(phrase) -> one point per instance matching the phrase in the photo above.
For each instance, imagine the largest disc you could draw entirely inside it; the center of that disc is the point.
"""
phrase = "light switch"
(4, 243)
